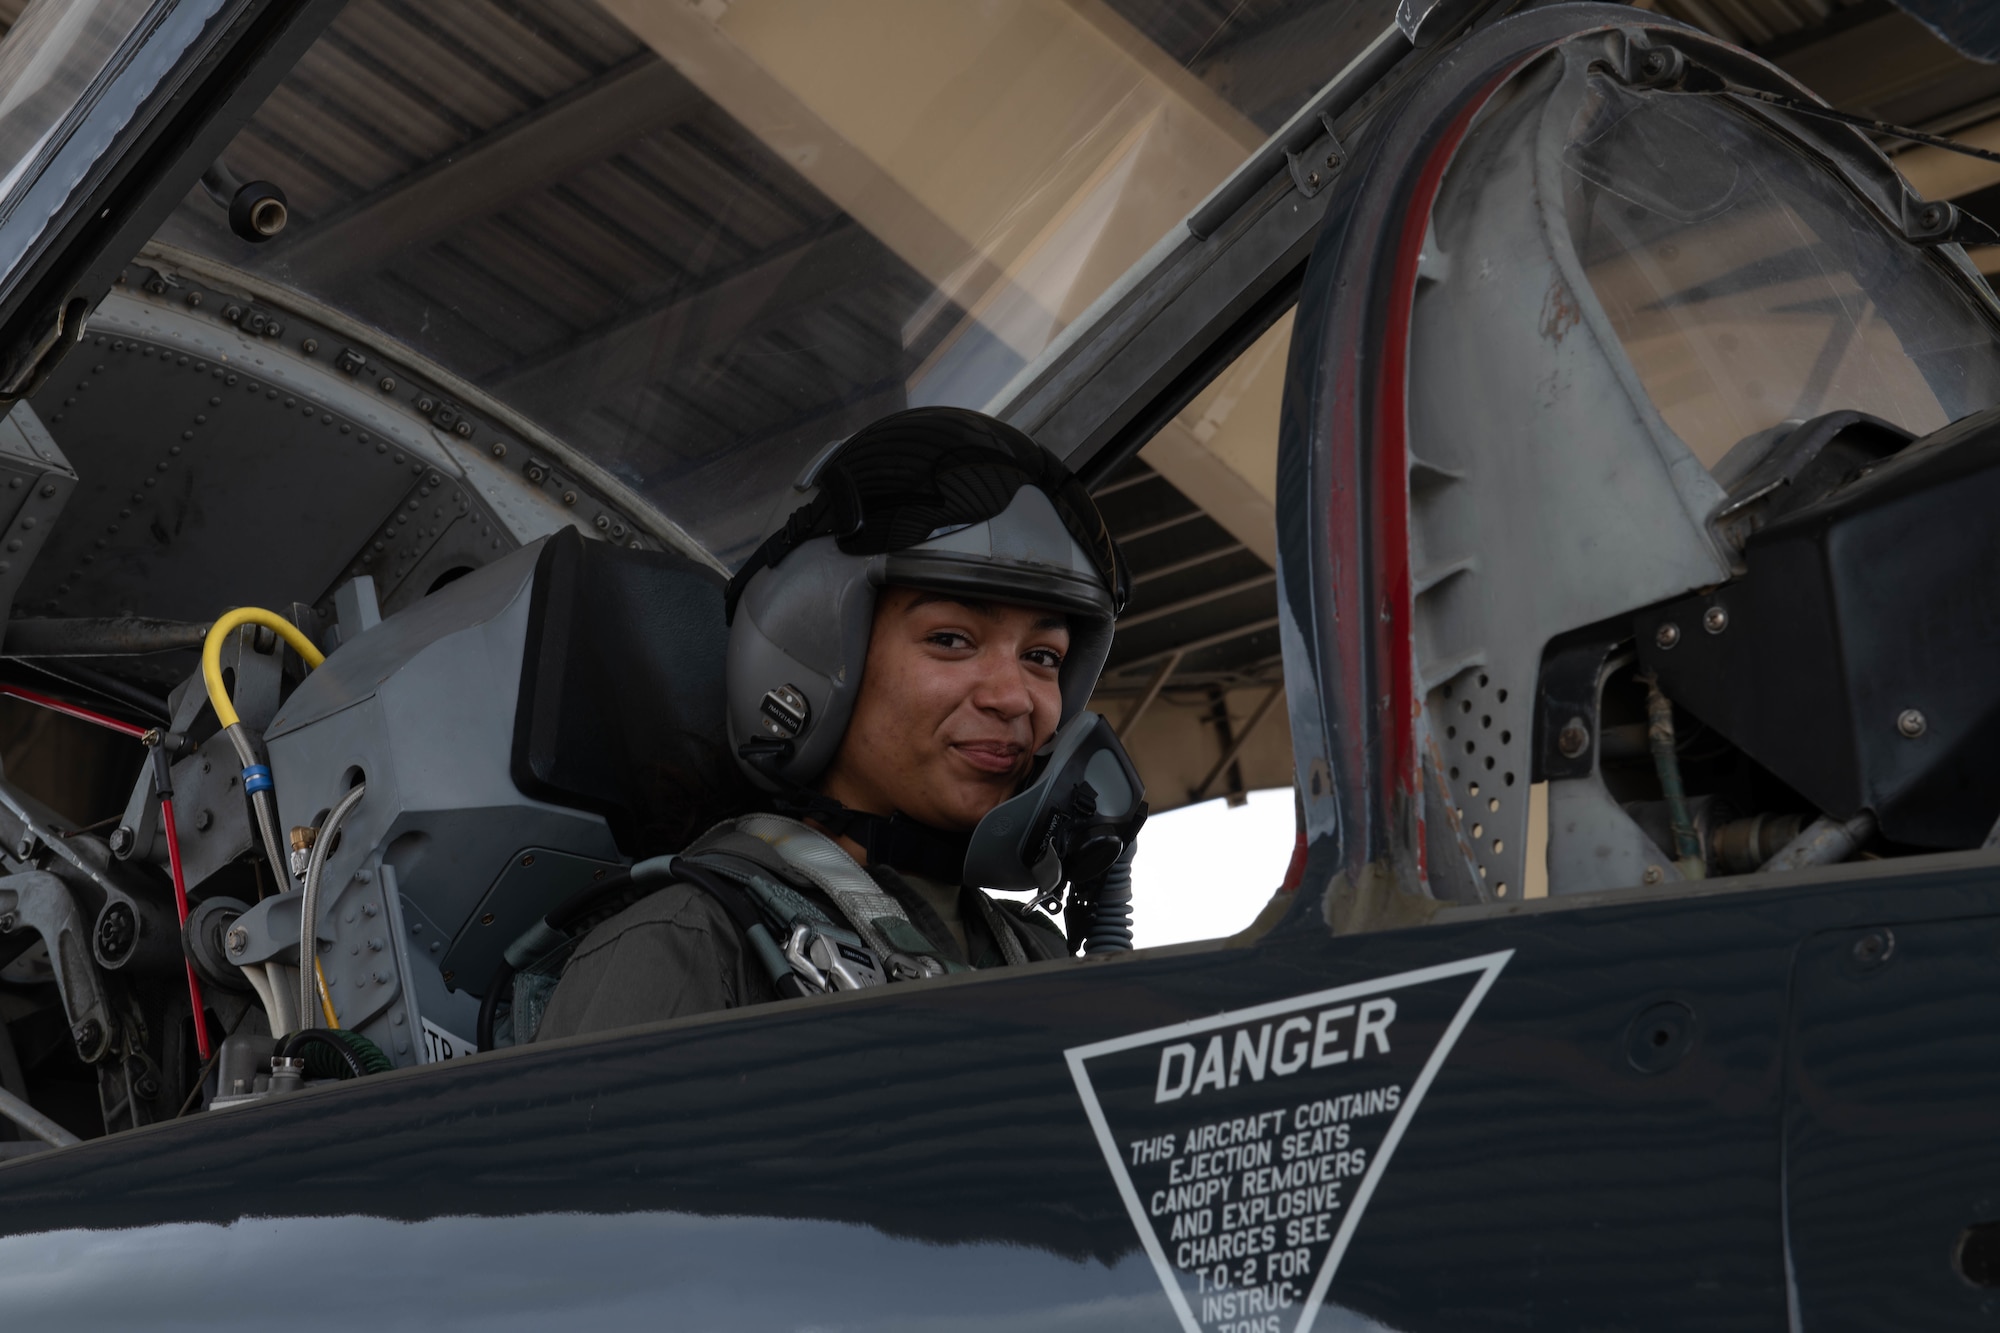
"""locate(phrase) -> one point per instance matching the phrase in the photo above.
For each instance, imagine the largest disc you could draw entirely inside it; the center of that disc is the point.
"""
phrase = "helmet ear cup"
(801, 629)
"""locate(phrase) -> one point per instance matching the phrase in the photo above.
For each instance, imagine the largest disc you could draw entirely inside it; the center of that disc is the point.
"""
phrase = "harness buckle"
(912, 967)
(826, 962)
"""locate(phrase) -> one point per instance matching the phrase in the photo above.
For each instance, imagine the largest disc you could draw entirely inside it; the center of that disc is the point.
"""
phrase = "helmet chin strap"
(892, 840)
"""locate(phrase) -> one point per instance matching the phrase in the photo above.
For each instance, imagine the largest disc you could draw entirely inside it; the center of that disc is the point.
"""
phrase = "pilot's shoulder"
(675, 910)
(1042, 937)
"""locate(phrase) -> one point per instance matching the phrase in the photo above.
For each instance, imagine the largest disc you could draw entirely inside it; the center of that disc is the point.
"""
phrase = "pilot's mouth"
(997, 757)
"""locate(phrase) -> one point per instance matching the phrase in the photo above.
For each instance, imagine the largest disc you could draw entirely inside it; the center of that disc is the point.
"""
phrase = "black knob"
(258, 212)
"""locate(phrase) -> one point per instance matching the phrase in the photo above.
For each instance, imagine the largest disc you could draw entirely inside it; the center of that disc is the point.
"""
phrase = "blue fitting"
(256, 778)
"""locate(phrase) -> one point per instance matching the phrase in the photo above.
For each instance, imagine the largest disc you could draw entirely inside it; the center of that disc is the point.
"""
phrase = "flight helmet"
(938, 498)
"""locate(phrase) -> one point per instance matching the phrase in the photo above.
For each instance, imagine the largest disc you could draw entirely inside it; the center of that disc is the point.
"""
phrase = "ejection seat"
(621, 709)
(520, 733)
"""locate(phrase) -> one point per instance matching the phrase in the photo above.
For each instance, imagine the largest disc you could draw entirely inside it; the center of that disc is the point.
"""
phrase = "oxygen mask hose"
(1103, 908)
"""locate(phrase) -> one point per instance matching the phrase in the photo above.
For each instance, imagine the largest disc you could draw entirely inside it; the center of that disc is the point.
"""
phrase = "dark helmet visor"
(929, 471)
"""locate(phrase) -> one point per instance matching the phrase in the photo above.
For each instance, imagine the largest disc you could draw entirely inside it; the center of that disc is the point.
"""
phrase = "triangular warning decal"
(1247, 1145)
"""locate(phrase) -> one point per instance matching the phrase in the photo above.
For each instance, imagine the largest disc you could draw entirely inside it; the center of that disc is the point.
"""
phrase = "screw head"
(1573, 739)
(1312, 178)
(1715, 620)
(387, 384)
(1333, 160)
(486, 919)
(1656, 62)
(121, 840)
(239, 939)
(1653, 875)
(1667, 635)
(202, 819)
(1932, 217)
(528, 860)
(309, 346)
(499, 449)
(1874, 948)
(1911, 723)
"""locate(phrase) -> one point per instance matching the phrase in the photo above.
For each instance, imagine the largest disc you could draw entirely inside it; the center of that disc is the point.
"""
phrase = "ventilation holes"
(1458, 705)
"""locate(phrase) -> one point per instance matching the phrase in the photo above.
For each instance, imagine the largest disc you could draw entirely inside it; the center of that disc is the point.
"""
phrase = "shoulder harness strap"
(878, 917)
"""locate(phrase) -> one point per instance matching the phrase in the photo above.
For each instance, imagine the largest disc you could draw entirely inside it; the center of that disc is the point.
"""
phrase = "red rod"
(181, 904)
(173, 836)
(72, 710)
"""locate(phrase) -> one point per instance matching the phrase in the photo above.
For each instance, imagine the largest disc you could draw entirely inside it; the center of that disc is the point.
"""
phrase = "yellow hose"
(325, 997)
(225, 711)
(218, 634)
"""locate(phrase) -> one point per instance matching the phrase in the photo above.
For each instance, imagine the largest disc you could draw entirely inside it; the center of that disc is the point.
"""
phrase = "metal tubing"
(1688, 858)
(181, 906)
(28, 1118)
(106, 636)
(73, 674)
(77, 711)
(1825, 842)
(312, 995)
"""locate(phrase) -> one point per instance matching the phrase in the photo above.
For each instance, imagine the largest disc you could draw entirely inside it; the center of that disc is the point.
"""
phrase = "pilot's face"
(956, 698)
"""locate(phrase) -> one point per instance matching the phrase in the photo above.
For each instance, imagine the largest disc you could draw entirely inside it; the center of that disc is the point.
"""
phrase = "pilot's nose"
(1002, 688)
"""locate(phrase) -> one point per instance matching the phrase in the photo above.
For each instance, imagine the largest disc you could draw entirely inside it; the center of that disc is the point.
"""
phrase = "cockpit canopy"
(1634, 308)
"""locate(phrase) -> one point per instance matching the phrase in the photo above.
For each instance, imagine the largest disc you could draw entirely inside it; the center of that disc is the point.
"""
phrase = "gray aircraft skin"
(1736, 1068)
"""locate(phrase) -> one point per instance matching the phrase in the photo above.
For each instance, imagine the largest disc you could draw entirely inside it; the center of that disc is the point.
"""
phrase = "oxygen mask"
(1078, 814)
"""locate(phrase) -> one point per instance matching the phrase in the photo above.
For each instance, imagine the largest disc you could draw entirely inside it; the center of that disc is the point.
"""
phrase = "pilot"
(899, 651)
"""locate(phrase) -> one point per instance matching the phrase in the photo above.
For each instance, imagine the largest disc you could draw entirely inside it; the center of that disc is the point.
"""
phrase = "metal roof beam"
(1199, 599)
(643, 345)
(584, 124)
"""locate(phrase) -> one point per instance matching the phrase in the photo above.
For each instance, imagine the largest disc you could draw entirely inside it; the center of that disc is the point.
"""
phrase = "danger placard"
(1247, 1145)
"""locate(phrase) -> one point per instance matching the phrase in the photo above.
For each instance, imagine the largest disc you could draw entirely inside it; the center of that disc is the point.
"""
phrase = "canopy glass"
(1749, 287)
(54, 52)
(697, 242)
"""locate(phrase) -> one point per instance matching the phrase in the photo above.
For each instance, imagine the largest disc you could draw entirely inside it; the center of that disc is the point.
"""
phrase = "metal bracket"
(42, 903)
(1941, 222)
(1314, 166)
(127, 927)
(1425, 21)
(1566, 705)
